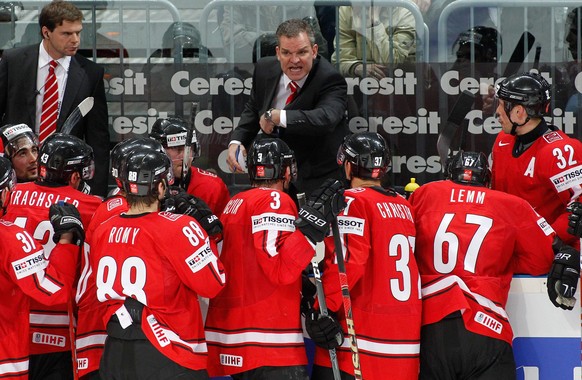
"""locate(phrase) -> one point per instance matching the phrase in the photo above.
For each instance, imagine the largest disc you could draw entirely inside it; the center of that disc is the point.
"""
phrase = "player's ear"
(75, 180)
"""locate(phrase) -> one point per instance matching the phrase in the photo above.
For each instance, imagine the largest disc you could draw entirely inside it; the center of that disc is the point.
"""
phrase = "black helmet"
(368, 154)
(469, 168)
(62, 155)
(268, 159)
(143, 169)
(14, 137)
(483, 39)
(121, 150)
(530, 90)
(7, 174)
(171, 132)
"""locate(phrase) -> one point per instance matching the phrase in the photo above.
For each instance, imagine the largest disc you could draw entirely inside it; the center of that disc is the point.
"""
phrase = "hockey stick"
(460, 109)
(519, 53)
(343, 277)
(321, 294)
(78, 113)
(187, 157)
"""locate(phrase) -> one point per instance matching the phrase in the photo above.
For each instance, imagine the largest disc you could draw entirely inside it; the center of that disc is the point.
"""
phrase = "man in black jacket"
(300, 98)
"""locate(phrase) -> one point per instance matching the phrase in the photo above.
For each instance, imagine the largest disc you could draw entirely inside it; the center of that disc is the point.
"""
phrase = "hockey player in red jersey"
(377, 234)
(539, 163)
(149, 282)
(171, 133)
(65, 163)
(21, 148)
(253, 326)
(26, 273)
(532, 159)
(91, 331)
(470, 241)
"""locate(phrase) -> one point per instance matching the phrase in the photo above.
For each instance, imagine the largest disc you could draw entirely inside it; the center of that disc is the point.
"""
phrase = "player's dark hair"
(54, 13)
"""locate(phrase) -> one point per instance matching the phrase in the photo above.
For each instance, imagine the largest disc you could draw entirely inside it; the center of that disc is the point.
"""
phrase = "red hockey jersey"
(255, 321)
(210, 188)
(548, 175)
(377, 234)
(164, 261)
(29, 208)
(24, 273)
(470, 241)
(91, 331)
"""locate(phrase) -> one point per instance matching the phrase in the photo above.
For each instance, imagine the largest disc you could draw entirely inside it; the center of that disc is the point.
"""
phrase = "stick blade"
(78, 113)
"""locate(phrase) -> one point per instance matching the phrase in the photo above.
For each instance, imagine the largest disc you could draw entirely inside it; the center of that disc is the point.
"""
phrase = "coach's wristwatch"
(269, 115)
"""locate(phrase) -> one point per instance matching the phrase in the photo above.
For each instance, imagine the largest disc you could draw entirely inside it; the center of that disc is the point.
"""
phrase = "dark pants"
(273, 373)
(449, 351)
(326, 373)
(53, 366)
(140, 360)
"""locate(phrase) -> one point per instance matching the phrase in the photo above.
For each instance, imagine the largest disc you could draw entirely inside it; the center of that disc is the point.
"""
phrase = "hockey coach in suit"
(23, 71)
(300, 98)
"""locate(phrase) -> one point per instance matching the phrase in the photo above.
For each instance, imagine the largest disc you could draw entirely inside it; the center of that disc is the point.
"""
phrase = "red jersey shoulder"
(203, 172)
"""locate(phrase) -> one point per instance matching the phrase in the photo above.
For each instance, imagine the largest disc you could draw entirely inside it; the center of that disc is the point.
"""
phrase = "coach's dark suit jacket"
(316, 118)
(18, 92)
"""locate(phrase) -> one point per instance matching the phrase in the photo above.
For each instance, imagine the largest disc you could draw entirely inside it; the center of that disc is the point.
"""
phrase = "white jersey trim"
(91, 340)
(48, 319)
(14, 367)
(450, 280)
(385, 348)
(255, 337)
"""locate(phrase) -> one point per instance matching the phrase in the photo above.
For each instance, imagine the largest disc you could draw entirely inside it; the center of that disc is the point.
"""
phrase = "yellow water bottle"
(410, 187)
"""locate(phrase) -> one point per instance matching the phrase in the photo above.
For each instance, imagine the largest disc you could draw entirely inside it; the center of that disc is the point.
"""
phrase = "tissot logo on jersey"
(29, 264)
(351, 225)
(567, 179)
(200, 258)
(545, 226)
(273, 221)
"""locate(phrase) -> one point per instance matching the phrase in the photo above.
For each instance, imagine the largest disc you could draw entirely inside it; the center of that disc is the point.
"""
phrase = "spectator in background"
(242, 25)
(23, 75)
(389, 35)
(303, 99)
(573, 40)
(21, 148)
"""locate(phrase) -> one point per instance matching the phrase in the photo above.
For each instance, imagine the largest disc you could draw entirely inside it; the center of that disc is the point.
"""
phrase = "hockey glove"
(575, 219)
(563, 278)
(187, 204)
(325, 331)
(307, 290)
(65, 217)
(324, 204)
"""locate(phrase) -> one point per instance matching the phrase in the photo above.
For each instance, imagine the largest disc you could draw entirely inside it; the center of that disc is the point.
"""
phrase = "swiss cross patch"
(552, 136)
(467, 175)
(260, 171)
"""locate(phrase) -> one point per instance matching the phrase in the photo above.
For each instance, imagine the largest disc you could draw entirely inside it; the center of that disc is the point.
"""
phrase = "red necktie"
(50, 104)
(293, 87)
